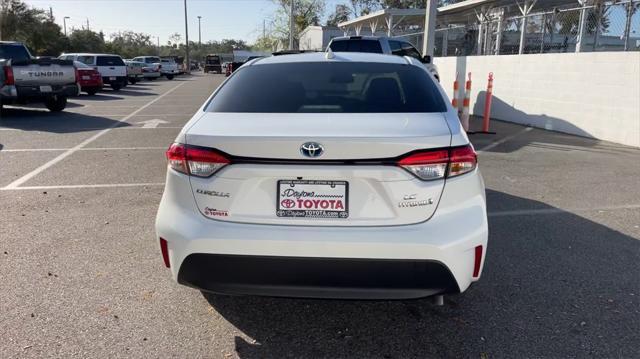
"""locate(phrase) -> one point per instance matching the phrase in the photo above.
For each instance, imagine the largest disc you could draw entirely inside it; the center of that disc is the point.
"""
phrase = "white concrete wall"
(589, 94)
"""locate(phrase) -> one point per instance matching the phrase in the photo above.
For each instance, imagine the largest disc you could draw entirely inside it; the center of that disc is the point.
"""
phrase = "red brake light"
(462, 160)
(77, 75)
(436, 164)
(195, 161)
(8, 75)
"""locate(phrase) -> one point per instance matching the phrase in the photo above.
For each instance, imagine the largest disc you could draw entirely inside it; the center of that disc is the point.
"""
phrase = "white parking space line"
(82, 186)
(532, 212)
(97, 128)
(508, 138)
(84, 149)
(72, 150)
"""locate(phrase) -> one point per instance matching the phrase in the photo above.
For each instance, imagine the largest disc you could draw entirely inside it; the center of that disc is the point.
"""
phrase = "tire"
(92, 91)
(169, 77)
(152, 78)
(56, 103)
(116, 86)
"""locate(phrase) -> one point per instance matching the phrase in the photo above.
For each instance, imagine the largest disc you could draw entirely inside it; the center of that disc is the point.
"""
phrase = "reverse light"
(437, 164)
(195, 161)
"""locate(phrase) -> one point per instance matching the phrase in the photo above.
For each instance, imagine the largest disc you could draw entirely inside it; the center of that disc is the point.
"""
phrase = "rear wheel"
(56, 103)
(92, 91)
(133, 81)
(152, 78)
(116, 86)
(169, 77)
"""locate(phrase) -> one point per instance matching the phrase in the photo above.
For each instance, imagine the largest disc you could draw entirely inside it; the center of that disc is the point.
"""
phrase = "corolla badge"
(311, 149)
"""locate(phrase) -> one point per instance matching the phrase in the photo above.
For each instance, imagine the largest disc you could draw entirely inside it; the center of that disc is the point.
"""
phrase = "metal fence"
(608, 26)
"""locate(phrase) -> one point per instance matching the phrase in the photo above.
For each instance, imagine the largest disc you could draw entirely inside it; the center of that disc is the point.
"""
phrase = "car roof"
(87, 54)
(337, 57)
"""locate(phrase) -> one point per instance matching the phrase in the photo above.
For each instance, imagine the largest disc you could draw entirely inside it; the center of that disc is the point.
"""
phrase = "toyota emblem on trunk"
(311, 149)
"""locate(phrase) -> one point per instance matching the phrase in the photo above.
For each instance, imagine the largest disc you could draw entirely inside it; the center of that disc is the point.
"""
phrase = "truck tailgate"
(43, 72)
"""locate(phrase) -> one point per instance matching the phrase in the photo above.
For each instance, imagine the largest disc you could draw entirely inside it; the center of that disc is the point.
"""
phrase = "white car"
(153, 68)
(169, 68)
(111, 67)
(325, 175)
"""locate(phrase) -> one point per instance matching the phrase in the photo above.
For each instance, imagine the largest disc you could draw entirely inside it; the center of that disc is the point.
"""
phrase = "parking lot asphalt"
(82, 275)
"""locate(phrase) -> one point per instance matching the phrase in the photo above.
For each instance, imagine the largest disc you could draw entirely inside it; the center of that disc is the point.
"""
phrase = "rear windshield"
(110, 61)
(213, 59)
(14, 52)
(356, 46)
(151, 60)
(319, 87)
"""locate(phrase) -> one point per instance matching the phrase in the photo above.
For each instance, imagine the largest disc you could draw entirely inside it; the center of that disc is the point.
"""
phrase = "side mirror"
(426, 59)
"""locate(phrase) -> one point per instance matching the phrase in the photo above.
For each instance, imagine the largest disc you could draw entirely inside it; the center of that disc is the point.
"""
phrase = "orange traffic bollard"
(454, 101)
(487, 104)
(464, 118)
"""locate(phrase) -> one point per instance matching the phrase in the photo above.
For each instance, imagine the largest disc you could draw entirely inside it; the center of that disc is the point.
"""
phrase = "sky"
(221, 19)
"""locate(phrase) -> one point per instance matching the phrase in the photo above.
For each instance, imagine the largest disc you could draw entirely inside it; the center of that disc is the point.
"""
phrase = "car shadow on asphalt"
(62, 122)
(554, 284)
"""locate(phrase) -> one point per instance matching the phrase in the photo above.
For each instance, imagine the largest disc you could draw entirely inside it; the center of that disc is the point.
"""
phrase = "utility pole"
(158, 37)
(291, 26)
(264, 28)
(88, 24)
(429, 37)
(64, 20)
(50, 14)
(186, 47)
(199, 31)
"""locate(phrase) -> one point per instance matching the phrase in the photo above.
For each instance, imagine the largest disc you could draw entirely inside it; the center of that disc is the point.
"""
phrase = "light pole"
(199, 31)
(186, 31)
(64, 20)
(291, 26)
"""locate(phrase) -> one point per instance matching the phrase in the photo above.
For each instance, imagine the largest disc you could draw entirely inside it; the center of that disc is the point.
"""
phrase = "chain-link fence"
(607, 26)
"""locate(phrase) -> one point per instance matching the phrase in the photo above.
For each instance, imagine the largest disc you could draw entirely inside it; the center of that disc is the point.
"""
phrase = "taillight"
(462, 160)
(77, 75)
(195, 161)
(437, 164)
(8, 75)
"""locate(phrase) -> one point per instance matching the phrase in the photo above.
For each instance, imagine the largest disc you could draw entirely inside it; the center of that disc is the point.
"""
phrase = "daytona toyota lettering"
(312, 199)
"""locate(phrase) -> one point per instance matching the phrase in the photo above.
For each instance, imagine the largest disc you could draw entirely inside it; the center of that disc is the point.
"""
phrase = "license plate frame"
(46, 89)
(112, 78)
(322, 208)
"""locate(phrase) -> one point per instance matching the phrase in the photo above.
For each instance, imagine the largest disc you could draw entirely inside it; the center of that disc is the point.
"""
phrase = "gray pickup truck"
(25, 79)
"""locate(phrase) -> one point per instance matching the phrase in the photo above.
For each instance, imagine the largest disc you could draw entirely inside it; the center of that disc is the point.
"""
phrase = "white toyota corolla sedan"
(326, 175)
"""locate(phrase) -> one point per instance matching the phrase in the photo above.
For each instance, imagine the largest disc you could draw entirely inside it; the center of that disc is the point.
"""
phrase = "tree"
(34, 27)
(306, 13)
(130, 44)
(341, 14)
(86, 41)
(364, 7)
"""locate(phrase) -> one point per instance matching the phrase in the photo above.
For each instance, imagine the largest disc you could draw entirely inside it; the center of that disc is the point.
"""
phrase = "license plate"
(86, 77)
(112, 78)
(313, 199)
(45, 89)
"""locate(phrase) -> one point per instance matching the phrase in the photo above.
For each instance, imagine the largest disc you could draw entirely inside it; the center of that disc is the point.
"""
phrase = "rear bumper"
(18, 93)
(448, 240)
(117, 79)
(151, 74)
(346, 278)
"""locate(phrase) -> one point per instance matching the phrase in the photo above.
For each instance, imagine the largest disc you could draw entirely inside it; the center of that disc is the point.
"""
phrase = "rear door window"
(110, 61)
(356, 45)
(319, 87)
(89, 60)
(14, 52)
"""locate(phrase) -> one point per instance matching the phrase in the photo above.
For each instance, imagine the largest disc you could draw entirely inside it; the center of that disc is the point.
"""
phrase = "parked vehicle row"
(26, 79)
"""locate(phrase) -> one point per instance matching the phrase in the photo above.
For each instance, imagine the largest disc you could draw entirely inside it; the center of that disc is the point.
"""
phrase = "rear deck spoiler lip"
(388, 161)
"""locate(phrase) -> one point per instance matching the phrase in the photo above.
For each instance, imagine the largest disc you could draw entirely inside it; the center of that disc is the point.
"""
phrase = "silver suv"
(381, 45)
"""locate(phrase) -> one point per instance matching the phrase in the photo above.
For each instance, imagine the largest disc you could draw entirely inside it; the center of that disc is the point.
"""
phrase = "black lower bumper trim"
(346, 278)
